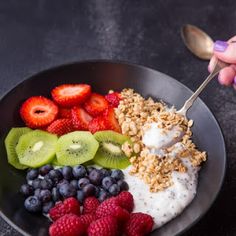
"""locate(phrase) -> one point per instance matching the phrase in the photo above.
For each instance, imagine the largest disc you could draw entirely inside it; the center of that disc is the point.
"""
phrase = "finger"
(225, 51)
(226, 76)
(211, 64)
(233, 39)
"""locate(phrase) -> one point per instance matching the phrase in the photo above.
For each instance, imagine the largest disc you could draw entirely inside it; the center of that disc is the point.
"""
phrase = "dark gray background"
(35, 35)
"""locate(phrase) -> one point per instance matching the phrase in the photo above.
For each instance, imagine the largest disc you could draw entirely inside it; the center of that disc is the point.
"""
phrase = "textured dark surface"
(35, 35)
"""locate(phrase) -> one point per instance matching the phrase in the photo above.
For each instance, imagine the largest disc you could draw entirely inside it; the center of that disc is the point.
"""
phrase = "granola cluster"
(134, 115)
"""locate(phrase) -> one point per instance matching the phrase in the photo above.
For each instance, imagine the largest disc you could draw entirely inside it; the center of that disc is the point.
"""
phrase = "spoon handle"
(216, 69)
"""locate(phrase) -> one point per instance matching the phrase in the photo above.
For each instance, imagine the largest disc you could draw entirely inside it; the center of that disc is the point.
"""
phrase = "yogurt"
(157, 138)
(167, 204)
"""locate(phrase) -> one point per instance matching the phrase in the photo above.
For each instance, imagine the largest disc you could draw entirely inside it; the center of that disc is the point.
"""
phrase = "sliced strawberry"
(110, 120)
(65, 113)
(68, 95)
(61, 126)
(38, 111)
(80, 118)
(96, 104)
(113, 98)
(97, 124)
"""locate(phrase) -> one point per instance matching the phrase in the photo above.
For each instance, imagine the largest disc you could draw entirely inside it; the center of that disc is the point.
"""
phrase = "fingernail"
(220, 46)
(235, 80)
(220, 80)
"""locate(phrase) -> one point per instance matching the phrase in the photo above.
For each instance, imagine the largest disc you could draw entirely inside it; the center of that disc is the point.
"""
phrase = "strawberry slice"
(96, 104)
(97, 124)
(61, 126)
(38, 111)
(80, 118)
(113, 99)
(68, 95)
(65, 113)
(110, 120)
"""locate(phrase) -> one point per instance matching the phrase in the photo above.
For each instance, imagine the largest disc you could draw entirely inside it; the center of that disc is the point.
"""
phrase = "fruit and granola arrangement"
(84, 151)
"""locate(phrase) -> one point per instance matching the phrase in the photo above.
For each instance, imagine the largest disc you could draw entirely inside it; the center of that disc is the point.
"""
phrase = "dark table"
(35, 35)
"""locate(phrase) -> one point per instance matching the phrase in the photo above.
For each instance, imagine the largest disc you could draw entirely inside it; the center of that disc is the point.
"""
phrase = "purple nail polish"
(220, 46)
(235, 80)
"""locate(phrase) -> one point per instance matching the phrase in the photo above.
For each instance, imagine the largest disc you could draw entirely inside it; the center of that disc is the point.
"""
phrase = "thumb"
(225, 51)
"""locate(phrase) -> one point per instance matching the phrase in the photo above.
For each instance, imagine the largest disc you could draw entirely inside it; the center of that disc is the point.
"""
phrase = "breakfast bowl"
(104, 76)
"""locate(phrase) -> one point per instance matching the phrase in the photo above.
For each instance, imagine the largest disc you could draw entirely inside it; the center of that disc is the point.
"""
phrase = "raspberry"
(138, 224)
(106, 226)
(90, 205)
(126, 201)
(87, 219)
(111, 208)
(67, 225)
(113, 98)
(69, 205)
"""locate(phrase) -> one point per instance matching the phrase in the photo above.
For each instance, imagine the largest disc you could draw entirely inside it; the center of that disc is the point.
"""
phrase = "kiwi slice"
(36, 148)
(10, 144)
(76, 148)
(110, 154)
(55, 162)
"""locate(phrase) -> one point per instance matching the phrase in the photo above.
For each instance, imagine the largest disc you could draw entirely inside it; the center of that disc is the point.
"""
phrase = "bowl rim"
(131, 64)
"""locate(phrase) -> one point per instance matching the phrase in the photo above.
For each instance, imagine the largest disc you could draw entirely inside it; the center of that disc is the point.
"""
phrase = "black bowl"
(104, 75)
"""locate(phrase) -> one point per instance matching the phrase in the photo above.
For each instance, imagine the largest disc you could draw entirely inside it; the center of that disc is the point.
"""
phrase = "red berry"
(126, 201)
(38, 111)
(110, 120)
(111, 208)
(61, 126)
(65, 113)
(97, 124)
(68, 95)
(106, 226)
(67, 225)
(80, 118)
(69, 205)
(96, 104)
(139, 224)
(113, 98)
(87, 219)
(90, 205)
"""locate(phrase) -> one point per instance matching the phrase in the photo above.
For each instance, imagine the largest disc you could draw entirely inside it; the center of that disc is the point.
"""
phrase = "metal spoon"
(201, 45)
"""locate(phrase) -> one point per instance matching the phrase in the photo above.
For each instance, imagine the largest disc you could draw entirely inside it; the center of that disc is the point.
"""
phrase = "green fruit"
(110, 154)
(36, 148)
(55, 162)
(10, 144)
(76, 148)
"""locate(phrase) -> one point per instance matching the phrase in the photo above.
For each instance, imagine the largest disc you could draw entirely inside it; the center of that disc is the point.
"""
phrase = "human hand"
(225, 51)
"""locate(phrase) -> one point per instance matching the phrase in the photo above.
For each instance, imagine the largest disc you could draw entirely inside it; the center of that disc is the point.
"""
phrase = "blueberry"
(47, 206)
(90, 168)
(107, 182)
(45, 195)
(26, 190)
(89, 190)
(36, 183)
(103, 195)
(97, 191)
(67, 172)
(33, 204)
(117, 174)
(105, 172)
(64, 181)
(80, 196)
(95, 177)
(55, 175)
(74, 183)
(82, 182)
(32, 174)
(46, 184)
(67, 190)
(37, 192)
(114, 190)
(55, 194)
(79, 171)
(123, 185)
(45, 169)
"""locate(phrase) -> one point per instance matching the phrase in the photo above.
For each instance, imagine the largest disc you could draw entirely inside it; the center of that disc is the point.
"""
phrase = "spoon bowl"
(197, 41)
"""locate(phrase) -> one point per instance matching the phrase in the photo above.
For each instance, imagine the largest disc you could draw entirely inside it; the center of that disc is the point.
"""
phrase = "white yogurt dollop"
(167, 204)
(156, 138)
